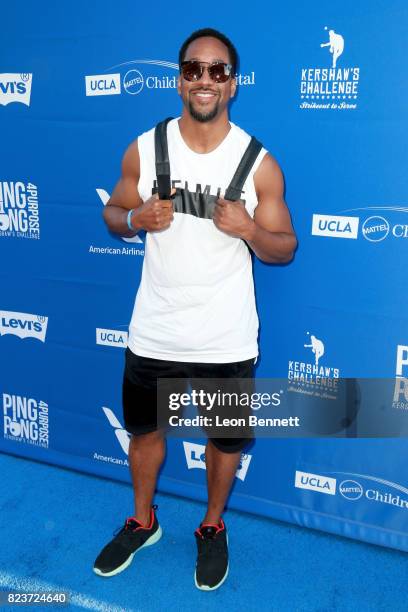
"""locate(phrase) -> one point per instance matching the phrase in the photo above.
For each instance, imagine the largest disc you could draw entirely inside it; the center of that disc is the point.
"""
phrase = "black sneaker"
(119, 553)
(212, 558)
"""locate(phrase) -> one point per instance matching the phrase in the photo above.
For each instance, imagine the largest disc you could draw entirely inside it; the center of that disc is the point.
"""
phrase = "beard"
(202, 117)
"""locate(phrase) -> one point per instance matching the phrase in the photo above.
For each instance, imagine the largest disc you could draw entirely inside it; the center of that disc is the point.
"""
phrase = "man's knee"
(145, 439)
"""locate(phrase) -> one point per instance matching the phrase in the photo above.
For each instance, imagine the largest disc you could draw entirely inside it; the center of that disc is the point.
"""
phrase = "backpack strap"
(162, 160)
(234, 190)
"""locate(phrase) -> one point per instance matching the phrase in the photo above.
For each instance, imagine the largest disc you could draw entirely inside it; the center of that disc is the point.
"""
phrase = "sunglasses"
(193, 70)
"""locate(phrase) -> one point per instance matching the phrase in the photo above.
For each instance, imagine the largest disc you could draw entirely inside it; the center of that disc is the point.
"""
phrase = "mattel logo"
(102, 84)
(23, 325)
(315, 482)
(335, 226)
(111, 337)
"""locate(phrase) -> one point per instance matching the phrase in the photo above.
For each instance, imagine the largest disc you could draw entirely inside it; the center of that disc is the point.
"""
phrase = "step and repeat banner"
(323, 89)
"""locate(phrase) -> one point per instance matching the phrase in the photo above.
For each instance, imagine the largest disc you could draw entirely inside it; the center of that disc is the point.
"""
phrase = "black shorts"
(139, 391)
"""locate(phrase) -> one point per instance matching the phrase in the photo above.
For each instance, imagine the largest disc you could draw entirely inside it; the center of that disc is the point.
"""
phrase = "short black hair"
(214, 34)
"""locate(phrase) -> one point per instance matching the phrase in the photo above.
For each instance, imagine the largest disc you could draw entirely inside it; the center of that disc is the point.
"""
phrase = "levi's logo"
(23, 325)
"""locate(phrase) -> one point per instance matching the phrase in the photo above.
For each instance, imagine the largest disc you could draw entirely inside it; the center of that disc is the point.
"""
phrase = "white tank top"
(196, 300)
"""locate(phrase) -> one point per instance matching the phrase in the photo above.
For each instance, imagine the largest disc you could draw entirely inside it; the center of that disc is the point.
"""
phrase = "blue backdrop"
(78, 83)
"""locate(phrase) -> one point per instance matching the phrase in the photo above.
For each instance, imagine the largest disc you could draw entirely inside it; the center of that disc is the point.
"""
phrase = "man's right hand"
(154, 215)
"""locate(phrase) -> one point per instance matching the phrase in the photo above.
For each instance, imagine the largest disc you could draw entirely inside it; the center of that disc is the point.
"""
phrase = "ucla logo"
(335, 226)
(111, 337)
(103, 85)
(315, 482)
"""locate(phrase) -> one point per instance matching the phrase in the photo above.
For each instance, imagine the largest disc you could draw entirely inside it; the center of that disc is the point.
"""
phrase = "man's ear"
(179, 85)
(234, 86)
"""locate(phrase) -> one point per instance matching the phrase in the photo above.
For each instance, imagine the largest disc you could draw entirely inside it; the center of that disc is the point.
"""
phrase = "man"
(336, 44)
(195, 313)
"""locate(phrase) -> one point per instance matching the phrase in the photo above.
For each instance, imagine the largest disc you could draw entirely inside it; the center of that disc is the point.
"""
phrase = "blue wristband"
(129, 220)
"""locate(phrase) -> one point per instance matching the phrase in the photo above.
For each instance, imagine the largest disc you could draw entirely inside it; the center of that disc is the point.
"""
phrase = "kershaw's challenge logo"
(313, 376)
(333, 87)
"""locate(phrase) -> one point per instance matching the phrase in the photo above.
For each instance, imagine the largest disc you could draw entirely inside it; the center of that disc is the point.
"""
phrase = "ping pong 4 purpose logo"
(330, 86)
(195, 457)
(25, 419)
(400, 400)
(19, 216)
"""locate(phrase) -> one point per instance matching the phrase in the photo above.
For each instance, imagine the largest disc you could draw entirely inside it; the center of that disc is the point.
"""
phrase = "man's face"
(204, 99)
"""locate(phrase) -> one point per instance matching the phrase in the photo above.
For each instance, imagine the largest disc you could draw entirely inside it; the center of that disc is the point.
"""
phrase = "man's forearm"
(115, 218)
(270, 247)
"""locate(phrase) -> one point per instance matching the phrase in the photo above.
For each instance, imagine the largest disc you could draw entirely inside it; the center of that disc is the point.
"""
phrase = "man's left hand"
(233, 218)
